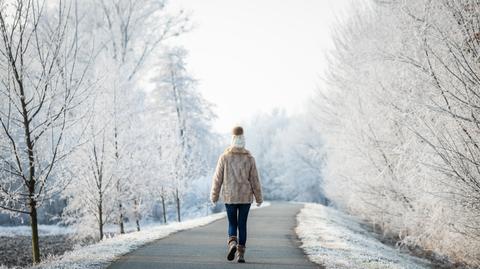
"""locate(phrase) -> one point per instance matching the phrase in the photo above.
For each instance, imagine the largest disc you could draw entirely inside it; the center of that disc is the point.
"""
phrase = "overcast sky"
(251, 56)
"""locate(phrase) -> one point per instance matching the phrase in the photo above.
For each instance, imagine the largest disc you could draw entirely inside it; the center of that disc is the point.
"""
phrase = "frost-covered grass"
(24, 230)
(101, 254)
(336, 240)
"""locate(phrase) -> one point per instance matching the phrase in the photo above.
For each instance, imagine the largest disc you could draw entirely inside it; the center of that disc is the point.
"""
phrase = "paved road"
(271, 243)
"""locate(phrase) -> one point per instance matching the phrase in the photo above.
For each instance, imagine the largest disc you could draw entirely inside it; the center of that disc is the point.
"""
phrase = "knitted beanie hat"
(238, 130)
(238, 140)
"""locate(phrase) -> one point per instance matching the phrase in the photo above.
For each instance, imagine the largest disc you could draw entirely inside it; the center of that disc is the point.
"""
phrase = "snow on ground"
(101, 254)
(336, 240)
(43, 230)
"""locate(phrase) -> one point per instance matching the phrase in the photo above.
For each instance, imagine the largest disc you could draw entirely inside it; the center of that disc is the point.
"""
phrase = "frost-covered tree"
(288, 150)
(398, 114)
(133, 32)
(42, 85)
(89, 197)
(126, 35)
(186, 117)
(261, 138)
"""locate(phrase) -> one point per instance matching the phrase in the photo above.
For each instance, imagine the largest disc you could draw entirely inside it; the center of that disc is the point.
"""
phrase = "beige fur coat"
(236, 175)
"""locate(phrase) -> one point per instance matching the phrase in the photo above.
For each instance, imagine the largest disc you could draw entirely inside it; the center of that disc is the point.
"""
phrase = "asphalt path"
(271, 243)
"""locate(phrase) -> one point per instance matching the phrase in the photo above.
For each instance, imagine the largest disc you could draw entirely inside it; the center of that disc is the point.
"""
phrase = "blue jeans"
(237, 215)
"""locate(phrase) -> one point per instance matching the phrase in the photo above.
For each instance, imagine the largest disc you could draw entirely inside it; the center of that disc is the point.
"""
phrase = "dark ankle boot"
(232, 247)
(241, 254)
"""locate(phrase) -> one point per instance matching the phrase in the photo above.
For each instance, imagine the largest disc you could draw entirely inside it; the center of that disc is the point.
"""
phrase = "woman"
(237, 176)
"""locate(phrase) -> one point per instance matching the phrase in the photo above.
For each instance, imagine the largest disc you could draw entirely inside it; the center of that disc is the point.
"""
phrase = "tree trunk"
(177, 198)
(100, 219)
(31, 181)
(137, 214)
(34, 225)
(163, 210)
(31, 170)
(138, 225)
(117, 156)
(120, 218)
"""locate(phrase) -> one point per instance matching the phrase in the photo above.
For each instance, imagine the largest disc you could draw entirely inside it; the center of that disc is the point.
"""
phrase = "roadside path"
(272, 243)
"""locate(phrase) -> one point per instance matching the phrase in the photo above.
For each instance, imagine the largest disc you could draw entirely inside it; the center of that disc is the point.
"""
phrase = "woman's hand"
(259, 204)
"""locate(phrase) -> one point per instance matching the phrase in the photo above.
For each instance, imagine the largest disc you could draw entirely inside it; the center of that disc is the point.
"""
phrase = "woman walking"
(236, 175)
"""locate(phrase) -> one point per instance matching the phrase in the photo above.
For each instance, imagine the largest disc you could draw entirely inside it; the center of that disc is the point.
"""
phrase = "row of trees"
(289, 155)
(400, 115)
(96, 108)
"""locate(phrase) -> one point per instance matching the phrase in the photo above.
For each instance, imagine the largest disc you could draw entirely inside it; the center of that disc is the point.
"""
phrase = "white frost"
(24, 230)
(336, 240)
(99, 255)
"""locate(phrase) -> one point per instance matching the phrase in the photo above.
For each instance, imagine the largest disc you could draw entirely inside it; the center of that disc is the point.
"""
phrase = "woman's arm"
(255, 183)
(217, 180)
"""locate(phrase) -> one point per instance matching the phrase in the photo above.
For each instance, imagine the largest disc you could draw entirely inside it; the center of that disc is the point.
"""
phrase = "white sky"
(251, 56)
